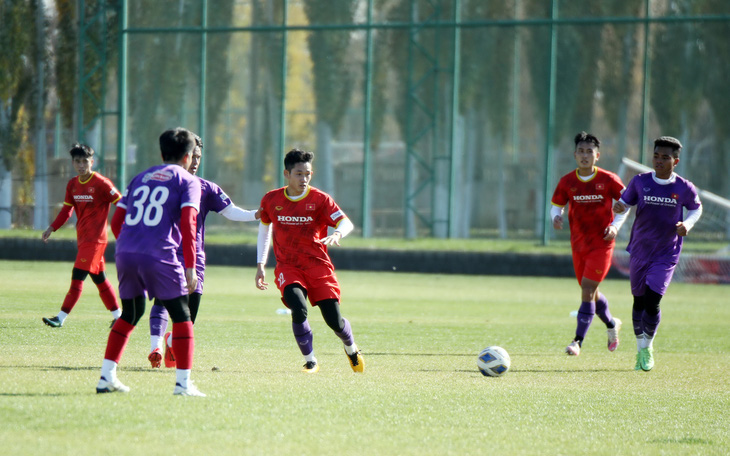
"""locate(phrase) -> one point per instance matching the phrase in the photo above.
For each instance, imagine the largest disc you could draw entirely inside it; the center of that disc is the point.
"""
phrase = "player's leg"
(132, 311)
(107, 294)
(295, 298)
(658, 277)
(183, 344)
(573, 348)
(158, 325)
(637, 277)
(330, 309)
(72, 297)
(169, 352)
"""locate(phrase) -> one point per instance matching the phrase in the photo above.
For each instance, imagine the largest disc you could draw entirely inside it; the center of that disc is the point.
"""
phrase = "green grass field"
(420, 394)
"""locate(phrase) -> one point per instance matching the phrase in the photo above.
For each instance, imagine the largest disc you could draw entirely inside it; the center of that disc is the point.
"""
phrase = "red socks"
(73, 295)
(183, 344)
(118, 338)
(108, 296)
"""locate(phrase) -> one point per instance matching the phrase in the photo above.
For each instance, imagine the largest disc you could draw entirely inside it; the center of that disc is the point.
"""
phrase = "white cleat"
(573, 349)
(115, 386)
(613, 335)
(191, 390)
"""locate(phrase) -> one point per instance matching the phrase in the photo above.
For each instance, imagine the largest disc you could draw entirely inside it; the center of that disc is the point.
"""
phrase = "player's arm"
(118, 220)
(188, 221)
(262, 254)
(236, 214)
(61, 218)
(693, 215)
(344, 227)
(556, 215)
(620, 206)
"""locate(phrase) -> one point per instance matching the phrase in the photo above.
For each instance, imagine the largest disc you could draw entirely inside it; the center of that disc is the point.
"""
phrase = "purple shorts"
(653, 274)
(139, 273)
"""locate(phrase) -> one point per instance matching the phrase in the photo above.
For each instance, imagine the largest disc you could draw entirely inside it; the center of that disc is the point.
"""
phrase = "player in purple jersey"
(155, 217)
(212, 198)
(660, 197)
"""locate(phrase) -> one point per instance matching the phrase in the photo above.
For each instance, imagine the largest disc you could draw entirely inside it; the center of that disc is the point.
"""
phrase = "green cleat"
(53, 322)
(637, 366)
(647, 359)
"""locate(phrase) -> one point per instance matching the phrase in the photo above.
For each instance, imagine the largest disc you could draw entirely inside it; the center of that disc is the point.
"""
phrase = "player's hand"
(558, 222)
(260, 277)
(610, 233)
(46, 234)
(191, 278)
(619, 207)
(333, 238)
(257, 215)
(681, 229)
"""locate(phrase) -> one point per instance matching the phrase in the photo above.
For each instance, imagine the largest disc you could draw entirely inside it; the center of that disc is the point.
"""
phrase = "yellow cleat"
(311, 367)
(356, 361)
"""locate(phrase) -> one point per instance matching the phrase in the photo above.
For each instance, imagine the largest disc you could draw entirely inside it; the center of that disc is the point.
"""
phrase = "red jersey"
(91, 200)
(590, 210)
(299, 225)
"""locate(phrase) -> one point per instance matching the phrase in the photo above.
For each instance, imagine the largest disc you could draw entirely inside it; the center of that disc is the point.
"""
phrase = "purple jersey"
(658, 209)
(154, 201)
(212, 198)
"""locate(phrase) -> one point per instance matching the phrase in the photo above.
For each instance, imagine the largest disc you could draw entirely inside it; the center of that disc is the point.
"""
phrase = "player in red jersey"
(300, 215)
(590, 191)
(90, 194)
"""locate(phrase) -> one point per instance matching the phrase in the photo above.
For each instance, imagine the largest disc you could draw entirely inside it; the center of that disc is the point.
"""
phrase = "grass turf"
(420, 394)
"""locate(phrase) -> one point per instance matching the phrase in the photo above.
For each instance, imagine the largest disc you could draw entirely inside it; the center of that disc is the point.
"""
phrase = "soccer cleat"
(53, 322)
(637, 366)
(356, 361)
(116, 386)
(191, 390)
(613, 335)
(155, 358)
(169, 355)
(647, 359)
(311, 367)
(573, 349)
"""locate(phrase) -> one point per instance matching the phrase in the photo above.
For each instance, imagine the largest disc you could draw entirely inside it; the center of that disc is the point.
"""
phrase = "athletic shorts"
(320, 282)
(139, 273)
(90, 257)
(653, 274)
(592, 264)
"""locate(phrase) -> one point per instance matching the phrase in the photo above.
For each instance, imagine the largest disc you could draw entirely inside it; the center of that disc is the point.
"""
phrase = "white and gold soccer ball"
(493, 361)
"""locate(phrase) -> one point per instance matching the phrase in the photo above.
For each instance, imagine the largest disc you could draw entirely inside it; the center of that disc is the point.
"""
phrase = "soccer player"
(90, 194)
(590, 192)
(156, 215)
(660, 197)
(300, 215)
(212, 198)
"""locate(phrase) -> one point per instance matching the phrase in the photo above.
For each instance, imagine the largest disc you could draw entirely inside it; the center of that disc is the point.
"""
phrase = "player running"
(590, 191)
(660, 197)
(212, 198)
(300, 215)
(89, 194)
(156, 216)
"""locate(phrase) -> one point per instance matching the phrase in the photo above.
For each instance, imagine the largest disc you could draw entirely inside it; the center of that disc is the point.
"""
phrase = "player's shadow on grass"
(80, 368)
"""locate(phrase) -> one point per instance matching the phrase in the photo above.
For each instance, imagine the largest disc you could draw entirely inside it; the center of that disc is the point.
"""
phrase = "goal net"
(706, 251)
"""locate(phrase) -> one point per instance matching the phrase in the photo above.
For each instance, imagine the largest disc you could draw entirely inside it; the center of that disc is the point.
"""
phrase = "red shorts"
(320, 282)
(90, 257)
(592, 264)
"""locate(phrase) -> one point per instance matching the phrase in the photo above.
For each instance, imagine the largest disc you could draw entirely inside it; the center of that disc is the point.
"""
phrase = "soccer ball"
(493, 361)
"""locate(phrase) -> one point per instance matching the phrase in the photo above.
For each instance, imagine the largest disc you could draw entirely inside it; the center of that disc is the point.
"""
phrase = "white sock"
(310, 357)
(649, 340)
(351, 349)
(116, 313)
(183, 377)
(155, 342)
(109, 370)
(169, 340)
(639, 342)
(62, 316)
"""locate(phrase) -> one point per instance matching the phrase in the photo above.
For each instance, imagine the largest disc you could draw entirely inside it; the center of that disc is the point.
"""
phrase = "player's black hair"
(81, 150)
(198, 141)
(587, 137)
(668, 141)
(176, 143)
(295, 156)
